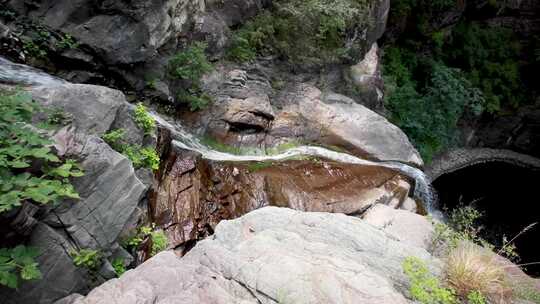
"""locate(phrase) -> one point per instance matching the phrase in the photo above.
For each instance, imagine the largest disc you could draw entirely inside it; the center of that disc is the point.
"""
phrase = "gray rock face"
(110, 191)
(274, 255)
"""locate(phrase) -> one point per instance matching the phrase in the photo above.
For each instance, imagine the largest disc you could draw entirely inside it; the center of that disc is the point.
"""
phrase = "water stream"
(187, 141)
(13, 73)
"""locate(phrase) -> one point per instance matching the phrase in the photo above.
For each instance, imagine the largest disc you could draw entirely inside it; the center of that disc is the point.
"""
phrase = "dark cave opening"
(507, 195)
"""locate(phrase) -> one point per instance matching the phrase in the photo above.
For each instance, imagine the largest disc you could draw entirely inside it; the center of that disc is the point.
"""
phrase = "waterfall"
(22, 74)
(187, 141)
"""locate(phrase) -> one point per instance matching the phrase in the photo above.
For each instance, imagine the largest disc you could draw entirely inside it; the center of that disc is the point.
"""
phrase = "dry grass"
(470, 267)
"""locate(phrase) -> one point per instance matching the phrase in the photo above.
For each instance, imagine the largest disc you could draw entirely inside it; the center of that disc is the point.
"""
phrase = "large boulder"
(274, 255)
(192, 194)
(110, 191)
(249, 112)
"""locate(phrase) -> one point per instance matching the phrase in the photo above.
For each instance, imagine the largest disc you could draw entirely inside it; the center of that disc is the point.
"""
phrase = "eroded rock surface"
(274, 255)
(192, 195)
(248, 112)
(110, 192)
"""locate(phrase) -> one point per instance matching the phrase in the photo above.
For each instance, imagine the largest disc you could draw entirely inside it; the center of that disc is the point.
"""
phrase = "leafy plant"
(21, 146)
(67, 42)
(190, 64)
(144, 120)
(425, 287)
(18, 263)
(87, 258)
(476, 297)
(118, 266)
(33, 49)
(140, 157)
(159, 242)
(158, 237)
(57, 117)
(114, 138)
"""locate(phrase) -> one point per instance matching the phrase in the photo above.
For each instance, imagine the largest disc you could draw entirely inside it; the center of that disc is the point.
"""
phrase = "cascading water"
(20, 74)
(13, 73)
(187, 141)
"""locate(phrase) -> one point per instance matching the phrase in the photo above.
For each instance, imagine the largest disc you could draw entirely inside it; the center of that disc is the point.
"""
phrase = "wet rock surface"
(274, 255)
(192, 195)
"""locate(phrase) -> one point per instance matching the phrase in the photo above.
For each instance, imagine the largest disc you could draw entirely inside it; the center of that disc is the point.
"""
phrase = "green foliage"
(140, 157)
(425, 287)
(189, 66)
(67, 42)
(462, 226)
(427, 114)
(159, 242)
(21, 146)
(18, 262)
(158, 237)
(144, 120)
(87, 258)
(489, 57)
(114, 138)
(57, 117)
(33, 49)
(476, 297)
(196, 100)
(310, 32)
(118, 266)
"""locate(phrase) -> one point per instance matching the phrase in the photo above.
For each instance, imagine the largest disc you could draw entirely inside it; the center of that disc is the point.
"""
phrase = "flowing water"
(20, 74)
(13, 73)
(188, 141)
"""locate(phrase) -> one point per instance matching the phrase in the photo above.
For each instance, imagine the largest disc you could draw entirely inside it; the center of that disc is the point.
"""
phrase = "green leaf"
(30, 272)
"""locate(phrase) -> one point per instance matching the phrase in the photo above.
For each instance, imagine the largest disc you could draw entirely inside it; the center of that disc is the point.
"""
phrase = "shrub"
(114, 138)
(189, 66)
(312, 32)
(18, 262)
(489, 57)
(140, 157)
(425, 287)
(472, 269)
(144, 120)
(87, 258)
(430, 119)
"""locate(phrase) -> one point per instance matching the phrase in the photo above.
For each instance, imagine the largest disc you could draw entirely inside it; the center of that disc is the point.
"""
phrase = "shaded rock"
(366, 76)
(272, 255)
(93, 108)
